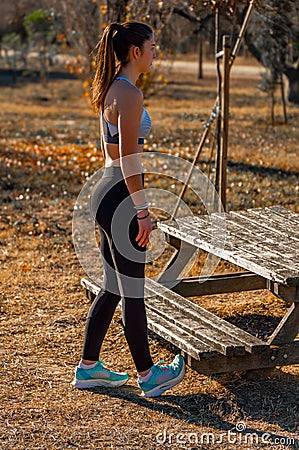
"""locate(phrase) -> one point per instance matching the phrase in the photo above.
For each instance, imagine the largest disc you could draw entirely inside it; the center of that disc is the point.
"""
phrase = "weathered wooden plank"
(212, 228)
(158, 321)
(286, 213)
(279, 260)
(291, 279)
(248, 237)
(193, 325)
(178, 337)
(231, 253)
(276, 215)
(288, 327)
(162, 327)
(277, 356)
(211, 321)
(217, 284)
(188, 308)
(268, 238)
(246, 257)
(266, 221)
(201, 357)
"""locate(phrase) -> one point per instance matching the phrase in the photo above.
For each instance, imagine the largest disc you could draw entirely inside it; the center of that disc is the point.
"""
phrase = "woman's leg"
(103, 307)
(129, 260)
(115, 214)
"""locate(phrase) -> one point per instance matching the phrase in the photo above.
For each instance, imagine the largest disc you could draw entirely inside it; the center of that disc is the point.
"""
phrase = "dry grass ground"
(47, 152)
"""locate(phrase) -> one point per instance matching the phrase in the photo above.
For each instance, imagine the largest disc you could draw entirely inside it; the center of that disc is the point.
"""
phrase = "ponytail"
(106, 67)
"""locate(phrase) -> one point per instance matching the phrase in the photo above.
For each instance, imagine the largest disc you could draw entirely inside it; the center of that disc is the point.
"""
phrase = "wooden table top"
(262, 240)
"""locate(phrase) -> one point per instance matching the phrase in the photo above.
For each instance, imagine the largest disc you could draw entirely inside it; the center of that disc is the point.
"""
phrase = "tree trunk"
(284, 106)
(200, 50)
(116, 10)
(43, 64)
(292, 75)
(272, 106)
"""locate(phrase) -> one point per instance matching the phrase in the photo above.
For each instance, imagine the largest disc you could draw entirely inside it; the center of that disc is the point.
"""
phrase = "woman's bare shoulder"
(127, 96)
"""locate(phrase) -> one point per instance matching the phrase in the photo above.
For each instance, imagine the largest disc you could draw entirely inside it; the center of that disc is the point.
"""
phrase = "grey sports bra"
(110, 131)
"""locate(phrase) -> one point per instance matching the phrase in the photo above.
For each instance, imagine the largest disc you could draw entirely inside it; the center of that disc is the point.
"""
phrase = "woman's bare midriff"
(111, 152)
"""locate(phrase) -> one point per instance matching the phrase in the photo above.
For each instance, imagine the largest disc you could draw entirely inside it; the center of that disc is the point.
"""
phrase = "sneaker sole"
(87, 384)
(167, 385)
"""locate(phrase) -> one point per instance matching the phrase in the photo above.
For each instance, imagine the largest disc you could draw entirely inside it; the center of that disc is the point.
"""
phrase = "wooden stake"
(224, 120)
(201, 144)
(218, 55)
(242, 31)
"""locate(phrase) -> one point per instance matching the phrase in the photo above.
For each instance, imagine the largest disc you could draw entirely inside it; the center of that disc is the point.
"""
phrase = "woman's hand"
(145, 227)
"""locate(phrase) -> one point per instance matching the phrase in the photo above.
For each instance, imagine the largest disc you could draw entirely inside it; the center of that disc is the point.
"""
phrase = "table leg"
(177, 262)
(288, 327)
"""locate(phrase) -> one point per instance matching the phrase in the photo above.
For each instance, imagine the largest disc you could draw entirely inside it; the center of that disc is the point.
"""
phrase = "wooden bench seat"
(197, 333)
(219, 334)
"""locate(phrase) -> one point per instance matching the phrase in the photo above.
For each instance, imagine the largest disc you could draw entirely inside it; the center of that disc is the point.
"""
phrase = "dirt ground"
(48, 151)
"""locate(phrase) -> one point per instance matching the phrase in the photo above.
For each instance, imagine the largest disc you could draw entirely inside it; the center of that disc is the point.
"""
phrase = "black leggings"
(124, 262)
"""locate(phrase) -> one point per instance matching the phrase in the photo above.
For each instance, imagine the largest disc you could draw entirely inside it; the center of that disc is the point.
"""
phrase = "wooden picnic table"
(264, 242)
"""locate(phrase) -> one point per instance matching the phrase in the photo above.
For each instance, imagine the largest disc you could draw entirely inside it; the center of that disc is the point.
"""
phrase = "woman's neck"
(129, 73)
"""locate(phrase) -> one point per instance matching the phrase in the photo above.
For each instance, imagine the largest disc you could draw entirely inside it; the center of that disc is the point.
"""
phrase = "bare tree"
(83, 25)
(272, 38)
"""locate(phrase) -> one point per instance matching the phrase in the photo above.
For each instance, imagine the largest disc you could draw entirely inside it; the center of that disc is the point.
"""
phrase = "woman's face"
(148, 54)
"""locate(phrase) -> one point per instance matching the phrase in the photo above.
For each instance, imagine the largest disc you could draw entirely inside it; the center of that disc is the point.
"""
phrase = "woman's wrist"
(142, 212)
(144, 216)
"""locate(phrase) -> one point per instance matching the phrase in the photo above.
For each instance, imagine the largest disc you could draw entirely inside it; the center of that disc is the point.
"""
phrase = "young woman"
(119, 206)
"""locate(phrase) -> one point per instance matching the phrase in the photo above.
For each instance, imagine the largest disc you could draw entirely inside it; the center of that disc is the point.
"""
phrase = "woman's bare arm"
(130, 106)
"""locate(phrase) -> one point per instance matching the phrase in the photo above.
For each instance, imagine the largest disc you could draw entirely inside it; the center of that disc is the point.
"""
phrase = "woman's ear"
(136, 52)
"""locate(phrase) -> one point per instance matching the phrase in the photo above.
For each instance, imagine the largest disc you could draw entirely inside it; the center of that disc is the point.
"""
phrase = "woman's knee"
(105, 299)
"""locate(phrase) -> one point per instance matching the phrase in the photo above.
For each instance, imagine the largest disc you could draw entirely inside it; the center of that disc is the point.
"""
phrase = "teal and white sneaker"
(98, 376)
(163, 377)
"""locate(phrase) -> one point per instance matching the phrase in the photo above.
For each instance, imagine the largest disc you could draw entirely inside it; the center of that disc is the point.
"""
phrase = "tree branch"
(183, 13)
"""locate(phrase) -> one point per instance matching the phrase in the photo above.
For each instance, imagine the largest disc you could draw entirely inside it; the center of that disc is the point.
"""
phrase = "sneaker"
(98, 376)
(163, 377)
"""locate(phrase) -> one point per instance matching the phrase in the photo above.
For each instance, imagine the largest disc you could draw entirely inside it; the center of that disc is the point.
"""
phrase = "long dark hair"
(113, 53)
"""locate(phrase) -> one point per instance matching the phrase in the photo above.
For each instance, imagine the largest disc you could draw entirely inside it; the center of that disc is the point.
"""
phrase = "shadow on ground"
(266, 401)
